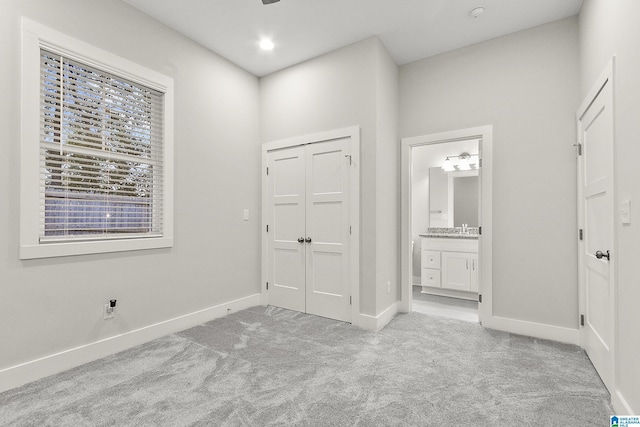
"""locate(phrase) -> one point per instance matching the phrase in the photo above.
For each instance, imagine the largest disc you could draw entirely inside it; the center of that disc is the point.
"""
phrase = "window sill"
(51, 250)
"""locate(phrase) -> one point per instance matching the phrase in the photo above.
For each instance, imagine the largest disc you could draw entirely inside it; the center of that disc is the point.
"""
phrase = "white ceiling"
(303, 29)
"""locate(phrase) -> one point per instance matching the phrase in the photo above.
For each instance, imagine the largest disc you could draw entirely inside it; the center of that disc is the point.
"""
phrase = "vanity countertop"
(451, 233)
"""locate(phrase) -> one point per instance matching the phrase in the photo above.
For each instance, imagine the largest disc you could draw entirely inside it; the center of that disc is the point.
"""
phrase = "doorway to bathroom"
(446, 224)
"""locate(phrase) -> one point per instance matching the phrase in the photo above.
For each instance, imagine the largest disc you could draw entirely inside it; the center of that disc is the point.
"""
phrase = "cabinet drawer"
(430, 277)
(431, 259)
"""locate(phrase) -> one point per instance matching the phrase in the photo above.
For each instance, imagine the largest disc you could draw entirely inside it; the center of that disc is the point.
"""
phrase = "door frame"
(485, 279)
(605, 77)
(353, 150)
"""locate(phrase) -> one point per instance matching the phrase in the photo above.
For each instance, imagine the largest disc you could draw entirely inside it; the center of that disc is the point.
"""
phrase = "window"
(101, 150)
(100, 153)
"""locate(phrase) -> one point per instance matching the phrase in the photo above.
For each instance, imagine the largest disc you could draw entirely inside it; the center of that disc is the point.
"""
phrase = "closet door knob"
(308, 240)
(300, 239)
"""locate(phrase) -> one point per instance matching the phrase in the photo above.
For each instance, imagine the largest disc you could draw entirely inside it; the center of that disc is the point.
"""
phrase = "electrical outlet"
(109, 312)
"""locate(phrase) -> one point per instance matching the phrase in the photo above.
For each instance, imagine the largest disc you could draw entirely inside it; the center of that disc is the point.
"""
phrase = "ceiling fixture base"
(476, 12)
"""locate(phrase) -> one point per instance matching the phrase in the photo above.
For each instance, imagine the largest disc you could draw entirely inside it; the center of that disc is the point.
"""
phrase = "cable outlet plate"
(109, 313)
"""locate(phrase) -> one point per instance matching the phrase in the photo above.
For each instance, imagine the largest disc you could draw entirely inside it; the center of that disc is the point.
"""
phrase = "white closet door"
(286, 219)
(308, 237)
(327, 230)
(596, 250)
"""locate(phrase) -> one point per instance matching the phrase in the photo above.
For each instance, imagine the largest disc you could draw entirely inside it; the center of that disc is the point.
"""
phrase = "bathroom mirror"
(453, 198)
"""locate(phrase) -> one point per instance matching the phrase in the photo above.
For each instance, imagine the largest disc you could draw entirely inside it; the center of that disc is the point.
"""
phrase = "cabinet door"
(456, 270)
(474, 273)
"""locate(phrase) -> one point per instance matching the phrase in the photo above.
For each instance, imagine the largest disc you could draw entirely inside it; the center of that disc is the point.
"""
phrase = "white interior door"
(327, 226)
(286, 222)
(597, 221)
(308, 236)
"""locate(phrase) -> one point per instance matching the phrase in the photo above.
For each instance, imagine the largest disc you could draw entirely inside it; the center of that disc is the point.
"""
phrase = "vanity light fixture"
(463, 163)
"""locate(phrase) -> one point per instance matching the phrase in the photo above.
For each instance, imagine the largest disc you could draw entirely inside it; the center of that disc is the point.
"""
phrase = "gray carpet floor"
(269, 366)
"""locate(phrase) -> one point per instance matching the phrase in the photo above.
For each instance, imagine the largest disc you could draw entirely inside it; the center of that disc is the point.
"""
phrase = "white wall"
(387, 181)
(420, 164)
(352, 86)
(52, 305)
(525, 85)
(607, 28)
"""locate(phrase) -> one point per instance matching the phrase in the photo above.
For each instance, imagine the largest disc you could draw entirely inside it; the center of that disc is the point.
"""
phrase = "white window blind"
(101, 154)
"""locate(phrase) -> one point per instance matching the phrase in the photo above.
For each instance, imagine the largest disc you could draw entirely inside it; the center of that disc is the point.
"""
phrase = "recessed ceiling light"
(266, 44)
(477, 12)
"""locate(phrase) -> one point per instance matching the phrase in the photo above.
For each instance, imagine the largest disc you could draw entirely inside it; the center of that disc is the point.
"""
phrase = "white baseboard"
(620, 405)
(451, 293)
(375, 323)
(532, 329)
(23, 373)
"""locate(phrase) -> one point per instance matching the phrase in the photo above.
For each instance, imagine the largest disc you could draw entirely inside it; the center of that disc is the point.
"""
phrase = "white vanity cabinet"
(474, 272)
(449, 264)
(457, 270)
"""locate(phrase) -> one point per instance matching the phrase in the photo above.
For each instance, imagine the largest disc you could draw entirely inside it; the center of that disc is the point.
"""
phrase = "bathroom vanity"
(450, 263)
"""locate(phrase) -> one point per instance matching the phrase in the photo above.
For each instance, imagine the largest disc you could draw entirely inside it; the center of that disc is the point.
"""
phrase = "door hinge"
(349, 300)
(479, 297)
(267, 228)
(480, 163)
(582, 320)
(267, 285)
(579, 148)
(581, 234)
(479, 230)
(267, 171)
(349, 229)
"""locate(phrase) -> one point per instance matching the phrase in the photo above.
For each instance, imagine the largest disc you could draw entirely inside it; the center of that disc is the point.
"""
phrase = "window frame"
(34, 37)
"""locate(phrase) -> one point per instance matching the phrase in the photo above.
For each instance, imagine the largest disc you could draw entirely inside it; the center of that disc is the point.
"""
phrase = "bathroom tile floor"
(452, 308)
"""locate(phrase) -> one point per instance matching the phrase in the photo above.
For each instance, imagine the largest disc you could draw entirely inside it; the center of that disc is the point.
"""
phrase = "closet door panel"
(328, 230)
(286, 219)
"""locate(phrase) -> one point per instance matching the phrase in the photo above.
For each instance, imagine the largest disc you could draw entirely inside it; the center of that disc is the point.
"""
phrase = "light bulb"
(447, 166)
(463, 164)
(266, 44)
(475, 162)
